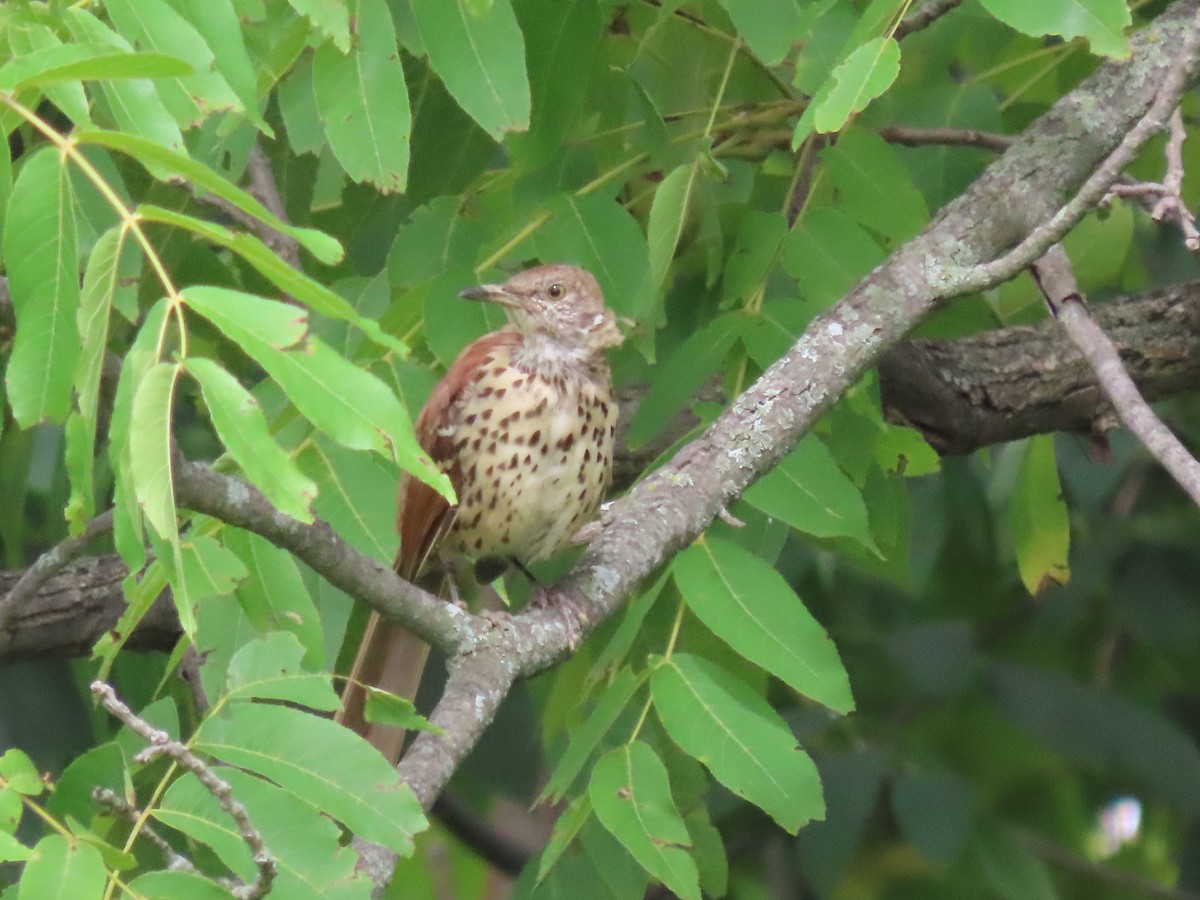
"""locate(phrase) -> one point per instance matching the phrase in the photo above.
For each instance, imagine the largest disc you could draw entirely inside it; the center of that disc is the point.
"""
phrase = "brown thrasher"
(523, 424)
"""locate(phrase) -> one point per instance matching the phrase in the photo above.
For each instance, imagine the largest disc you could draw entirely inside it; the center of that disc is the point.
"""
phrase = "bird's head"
(562, 303)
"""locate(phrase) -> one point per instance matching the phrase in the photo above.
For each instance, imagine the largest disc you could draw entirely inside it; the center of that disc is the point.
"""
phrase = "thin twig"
(969, 279)
(161, 744)
(265, 190)
(807, 164)
(924, 17)
(461, 820)
(1170, 204)
(50, 564)
(1057, 282)
(236, 502)
(176, 861)
(954, 137)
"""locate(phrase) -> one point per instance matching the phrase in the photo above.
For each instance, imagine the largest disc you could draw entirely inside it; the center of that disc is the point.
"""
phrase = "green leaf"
(12, 850)
(678, 379)
(738, 737)
(6, 185)
(750, 607)
(708, 850)
(597, 233)
(242, 428)
(875, 186)
(176, 885)
(11, 809)
(211, 569)
(101, 282)
(291, 281)
(755, 250)
(269, 668)
(479, 53)
(60, 869)
(586, 738)
(566, 827)
(827, 253)
(349, 404)
(770, 27)
(1102, 22)
(298, 106)
(135, 102)
(632, 617)
(631, 795)
(151, 477)
(274, 323)
(562, 40)
(127, 514)
(87, 63)
(934, 811)
(35, 48)
(101, 766)
(363, 101)
(858, 79)
(43, 279)
(165, 164)
(275, 597)
(668, 213)
(18, 772)
(439, 238)
(321, 761)
(154, 25)
(304, 844)
(1012, 871)
(809, 492)
(330, 17)
(384, 708)
(217, 23)
(222, 628)
(357, 496)
(150, 447)
(1038, 518)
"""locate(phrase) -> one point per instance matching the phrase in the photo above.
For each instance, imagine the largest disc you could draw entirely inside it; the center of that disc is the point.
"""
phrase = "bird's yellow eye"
(555, 291)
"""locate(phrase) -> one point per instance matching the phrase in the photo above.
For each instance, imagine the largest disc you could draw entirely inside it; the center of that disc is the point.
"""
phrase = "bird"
(523, 424)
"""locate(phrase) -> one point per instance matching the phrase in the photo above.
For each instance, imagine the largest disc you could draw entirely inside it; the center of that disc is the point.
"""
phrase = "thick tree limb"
(74, 608)
(1057, 280)
(1011, 383)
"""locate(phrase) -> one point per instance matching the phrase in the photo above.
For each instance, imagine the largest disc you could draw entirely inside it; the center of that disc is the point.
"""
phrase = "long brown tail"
(390, 658)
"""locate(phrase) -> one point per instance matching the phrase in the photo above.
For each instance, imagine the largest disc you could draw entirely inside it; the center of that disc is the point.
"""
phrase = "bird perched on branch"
(523, 424)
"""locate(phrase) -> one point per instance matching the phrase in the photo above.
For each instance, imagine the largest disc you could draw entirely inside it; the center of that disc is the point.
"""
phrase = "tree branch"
(1057, 281)
(48, 565)
(924, 17)
(443, 625)
(1011, 383)
(77, 606)
(161, 744)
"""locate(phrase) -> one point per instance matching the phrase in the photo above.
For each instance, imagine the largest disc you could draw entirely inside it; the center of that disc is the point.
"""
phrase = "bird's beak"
(494, 293)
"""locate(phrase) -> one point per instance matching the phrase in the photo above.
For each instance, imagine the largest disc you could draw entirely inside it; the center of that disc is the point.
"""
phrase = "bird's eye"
(555, 291)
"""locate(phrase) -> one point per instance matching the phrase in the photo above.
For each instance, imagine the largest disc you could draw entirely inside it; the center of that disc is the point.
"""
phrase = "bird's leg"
(524, 570)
